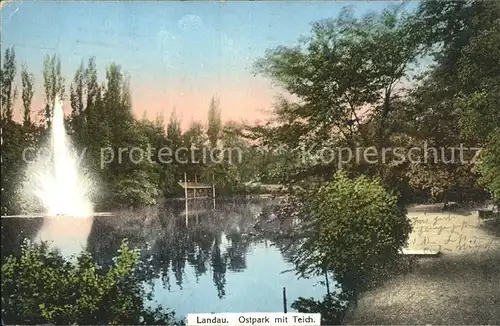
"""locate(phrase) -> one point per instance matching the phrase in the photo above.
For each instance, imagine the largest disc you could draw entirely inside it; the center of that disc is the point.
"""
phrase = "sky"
(178, 54)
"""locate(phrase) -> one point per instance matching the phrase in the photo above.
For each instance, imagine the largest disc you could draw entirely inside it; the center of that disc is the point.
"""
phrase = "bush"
(352, 227)
(41, 287)
(332, 308)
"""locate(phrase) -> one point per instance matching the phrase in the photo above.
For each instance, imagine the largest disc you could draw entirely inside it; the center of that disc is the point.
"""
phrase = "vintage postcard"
(250, 162)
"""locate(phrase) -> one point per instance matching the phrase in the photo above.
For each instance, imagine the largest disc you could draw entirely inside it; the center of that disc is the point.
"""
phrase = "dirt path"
(451, 233)
(461, 287)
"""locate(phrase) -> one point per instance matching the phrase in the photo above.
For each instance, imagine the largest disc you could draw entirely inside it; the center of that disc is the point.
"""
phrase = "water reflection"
(217, 256)
(67, 234)
(216, 243)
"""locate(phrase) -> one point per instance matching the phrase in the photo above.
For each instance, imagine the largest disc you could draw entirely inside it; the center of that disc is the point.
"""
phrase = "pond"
(215, 263)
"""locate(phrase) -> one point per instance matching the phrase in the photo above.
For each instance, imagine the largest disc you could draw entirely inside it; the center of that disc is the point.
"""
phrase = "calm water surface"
(214, 264)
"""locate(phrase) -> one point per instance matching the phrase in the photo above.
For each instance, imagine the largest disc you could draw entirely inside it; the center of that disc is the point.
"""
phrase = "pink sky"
(240, 100)
(178, 55)
(243, 99)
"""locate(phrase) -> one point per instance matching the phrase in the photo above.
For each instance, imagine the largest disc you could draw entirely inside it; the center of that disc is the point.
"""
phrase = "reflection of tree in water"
(218, 262)
(287, 246)
(202, 248)
(237, 251)
(173, 246)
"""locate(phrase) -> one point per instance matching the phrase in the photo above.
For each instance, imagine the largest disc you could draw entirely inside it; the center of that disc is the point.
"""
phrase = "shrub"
(332, 308)
(352, 227)
(41, 287)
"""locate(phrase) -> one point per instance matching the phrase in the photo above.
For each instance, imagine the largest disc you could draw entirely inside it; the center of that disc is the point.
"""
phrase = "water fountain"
(57, 181)
(64, 191)
(62, 187)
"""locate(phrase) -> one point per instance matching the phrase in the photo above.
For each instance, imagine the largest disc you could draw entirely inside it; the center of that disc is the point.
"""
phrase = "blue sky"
(191, 44)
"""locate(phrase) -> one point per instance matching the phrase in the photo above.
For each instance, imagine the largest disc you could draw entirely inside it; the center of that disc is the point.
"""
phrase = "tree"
(77, 94)
(463, 36)
(448, 26)
(174, 133)
(28, 89)
(77, 91)
(9, 92)
(348, 78)
(455, 101)
(430, 123)
(13, 144)
(12, 138)
(194, 141)
(133, 178)
(91, 83)
(53, 84)
(172, 170)
(97, 134)
(238, 152)
(142, 184)
(346, 65)
(479, 80)
(214, 122)
(118, 107)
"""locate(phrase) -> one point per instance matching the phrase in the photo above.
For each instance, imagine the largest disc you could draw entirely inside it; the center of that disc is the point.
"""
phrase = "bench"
(484, 214)
(421, 253)
(450, 206)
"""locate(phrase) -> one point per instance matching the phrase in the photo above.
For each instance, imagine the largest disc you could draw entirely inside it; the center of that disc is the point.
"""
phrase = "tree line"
(394, 79)
(102, 117)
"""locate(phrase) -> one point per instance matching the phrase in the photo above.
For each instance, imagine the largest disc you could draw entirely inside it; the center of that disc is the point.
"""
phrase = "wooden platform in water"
(189, 198)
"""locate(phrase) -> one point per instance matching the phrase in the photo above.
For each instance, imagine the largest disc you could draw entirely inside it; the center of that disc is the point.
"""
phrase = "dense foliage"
(102, 122)
(40, 286)
(331, 308)
(425, 79)
(349, 227)
(425, 83)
